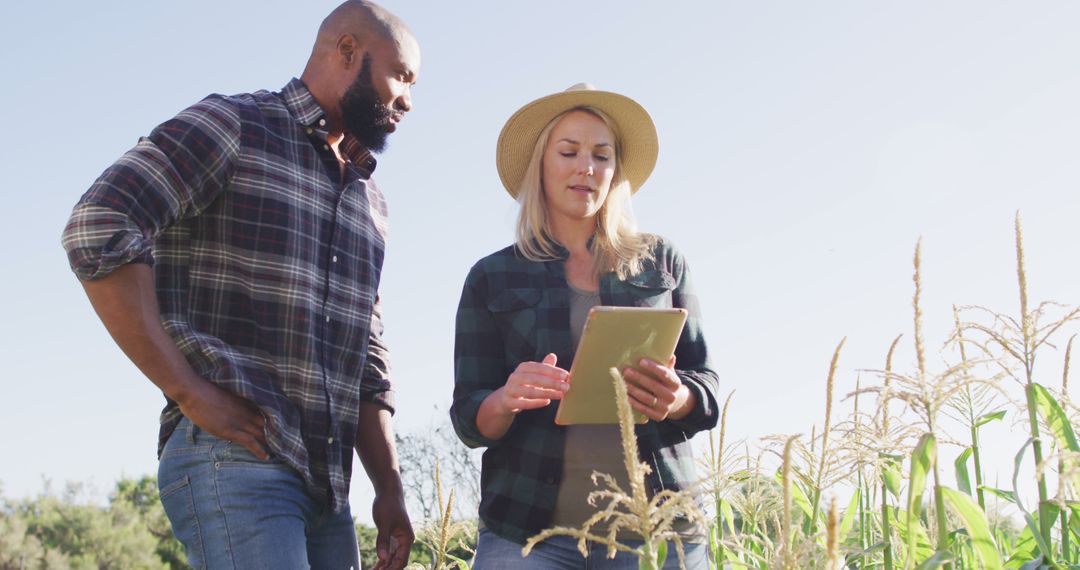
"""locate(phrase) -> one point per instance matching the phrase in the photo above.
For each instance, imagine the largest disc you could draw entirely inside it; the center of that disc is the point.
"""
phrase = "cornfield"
(870, 490)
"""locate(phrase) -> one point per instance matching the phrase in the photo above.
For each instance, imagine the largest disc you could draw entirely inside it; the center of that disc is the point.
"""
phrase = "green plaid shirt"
(514, 310)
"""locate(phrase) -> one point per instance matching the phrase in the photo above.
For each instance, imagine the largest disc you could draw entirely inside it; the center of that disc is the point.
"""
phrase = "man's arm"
(375, 447)
(126, 302)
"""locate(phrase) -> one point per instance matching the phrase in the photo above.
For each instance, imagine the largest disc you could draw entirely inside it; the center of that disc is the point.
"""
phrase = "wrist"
(389, 485)
(498, 403)
(686, 396)
(185, 389)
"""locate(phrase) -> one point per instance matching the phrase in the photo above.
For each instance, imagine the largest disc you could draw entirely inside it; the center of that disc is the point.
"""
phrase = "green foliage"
(51, 531)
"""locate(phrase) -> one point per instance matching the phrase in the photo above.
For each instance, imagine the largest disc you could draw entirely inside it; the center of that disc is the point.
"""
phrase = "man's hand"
(127, 304)
(395, 536)
(375, 446)
(226, 415)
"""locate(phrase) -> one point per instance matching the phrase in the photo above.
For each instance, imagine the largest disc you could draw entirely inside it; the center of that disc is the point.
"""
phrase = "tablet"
(615, 337)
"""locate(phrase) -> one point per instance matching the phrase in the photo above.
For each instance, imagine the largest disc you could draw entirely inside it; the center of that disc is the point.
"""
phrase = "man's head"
(361, 71)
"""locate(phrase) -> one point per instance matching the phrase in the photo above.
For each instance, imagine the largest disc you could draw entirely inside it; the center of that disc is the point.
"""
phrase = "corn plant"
(633, 510)
(444, 535)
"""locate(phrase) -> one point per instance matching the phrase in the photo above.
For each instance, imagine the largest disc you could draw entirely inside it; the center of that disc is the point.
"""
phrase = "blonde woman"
(572, 160)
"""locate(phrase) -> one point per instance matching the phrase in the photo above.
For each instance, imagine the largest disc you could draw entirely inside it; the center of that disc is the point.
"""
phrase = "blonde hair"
(617, 246)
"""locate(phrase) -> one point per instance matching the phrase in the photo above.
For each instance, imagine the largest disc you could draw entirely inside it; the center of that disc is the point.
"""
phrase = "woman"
(572, 160)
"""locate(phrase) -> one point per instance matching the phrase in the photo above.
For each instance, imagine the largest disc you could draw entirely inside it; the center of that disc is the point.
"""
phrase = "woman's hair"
(616, 246)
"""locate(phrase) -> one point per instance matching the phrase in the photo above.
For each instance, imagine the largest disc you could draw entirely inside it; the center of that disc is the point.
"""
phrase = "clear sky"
(805, 146)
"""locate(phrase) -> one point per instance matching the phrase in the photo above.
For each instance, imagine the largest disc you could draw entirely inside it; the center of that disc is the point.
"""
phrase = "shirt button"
(322, 122)
(334, 259)
(330, 441)
(327, 318)
(326, 147)
(309, 130)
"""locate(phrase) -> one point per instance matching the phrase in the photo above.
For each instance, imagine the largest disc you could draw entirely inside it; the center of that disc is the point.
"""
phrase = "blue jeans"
(494, 552)
(233, 510)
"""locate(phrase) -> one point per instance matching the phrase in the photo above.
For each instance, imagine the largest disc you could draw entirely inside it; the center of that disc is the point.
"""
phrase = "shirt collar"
(307, 112)
(562, 254)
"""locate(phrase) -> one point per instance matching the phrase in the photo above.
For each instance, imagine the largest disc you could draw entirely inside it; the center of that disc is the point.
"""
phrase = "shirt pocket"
(515, 311)
(650, 288)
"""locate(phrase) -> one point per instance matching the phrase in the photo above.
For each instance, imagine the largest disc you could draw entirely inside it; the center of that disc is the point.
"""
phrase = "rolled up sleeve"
(375, 384)
(479, 365)
(692, 356)
(173, 173)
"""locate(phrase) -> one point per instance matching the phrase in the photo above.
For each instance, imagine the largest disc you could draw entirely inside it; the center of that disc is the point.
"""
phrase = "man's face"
(379, 97)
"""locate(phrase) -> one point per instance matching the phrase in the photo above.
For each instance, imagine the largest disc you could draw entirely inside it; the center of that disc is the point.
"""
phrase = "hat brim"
(637, 134)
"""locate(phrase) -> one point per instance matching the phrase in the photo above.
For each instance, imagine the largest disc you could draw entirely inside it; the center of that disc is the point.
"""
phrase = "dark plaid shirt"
(266, 264)
(514, 310)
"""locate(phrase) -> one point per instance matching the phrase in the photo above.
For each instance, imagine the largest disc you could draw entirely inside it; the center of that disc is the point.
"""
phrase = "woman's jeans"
(494, 552)
(233, 510)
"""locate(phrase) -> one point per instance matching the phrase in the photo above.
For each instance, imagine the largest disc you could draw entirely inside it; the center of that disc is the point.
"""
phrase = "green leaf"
(661, 554)
(729, 515)
(940, 557)
(1023, 550)
(1044, 548)
(923, 548)
(987, 418)
(977, 528)
(797, 495)
(922, 459)
(849, 515)
(963, 479)
(1000, 493)
(1074, 520)
(1055, 417)
(891, 474)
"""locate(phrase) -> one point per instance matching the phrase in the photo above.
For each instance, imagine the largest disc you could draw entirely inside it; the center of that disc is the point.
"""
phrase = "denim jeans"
(232, 510)
(494, 552)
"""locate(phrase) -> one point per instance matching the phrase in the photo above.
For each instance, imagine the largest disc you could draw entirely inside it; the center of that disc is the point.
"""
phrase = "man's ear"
(349, 50)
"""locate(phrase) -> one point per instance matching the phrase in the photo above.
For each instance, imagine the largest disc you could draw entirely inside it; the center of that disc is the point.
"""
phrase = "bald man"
(234, 254)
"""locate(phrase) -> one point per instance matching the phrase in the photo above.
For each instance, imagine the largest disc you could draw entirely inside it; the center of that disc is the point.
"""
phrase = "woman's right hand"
(532, 385)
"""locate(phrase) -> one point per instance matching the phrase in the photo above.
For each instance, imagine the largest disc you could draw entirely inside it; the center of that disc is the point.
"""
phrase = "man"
(234, 255)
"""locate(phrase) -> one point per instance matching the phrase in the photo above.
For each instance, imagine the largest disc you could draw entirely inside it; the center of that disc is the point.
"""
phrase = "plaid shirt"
(514, 310)
(266, 264)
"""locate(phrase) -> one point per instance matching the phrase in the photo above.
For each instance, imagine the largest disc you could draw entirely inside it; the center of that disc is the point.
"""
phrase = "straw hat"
(637, 134)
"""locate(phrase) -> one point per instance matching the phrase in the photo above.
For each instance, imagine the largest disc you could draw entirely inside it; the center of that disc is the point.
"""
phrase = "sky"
(804, 148)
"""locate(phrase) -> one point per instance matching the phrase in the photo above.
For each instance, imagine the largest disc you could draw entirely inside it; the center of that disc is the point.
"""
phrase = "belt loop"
(191, 432)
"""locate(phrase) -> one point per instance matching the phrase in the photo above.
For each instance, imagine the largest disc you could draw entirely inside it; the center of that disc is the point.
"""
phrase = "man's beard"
(365, 118)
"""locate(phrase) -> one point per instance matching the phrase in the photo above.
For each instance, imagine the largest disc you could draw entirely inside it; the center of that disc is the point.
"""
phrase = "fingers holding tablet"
(656, 391)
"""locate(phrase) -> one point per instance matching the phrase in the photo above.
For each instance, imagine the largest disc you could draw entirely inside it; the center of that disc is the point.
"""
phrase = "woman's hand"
(532, 385)
(656, 390)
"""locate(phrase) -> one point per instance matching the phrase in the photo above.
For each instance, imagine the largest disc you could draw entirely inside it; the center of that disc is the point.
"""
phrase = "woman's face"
(578, 165)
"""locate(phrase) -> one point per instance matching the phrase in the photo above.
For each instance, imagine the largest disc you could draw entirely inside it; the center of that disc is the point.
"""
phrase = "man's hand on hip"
(226, 415)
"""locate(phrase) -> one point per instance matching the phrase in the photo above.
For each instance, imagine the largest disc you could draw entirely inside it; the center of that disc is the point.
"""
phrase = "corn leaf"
(729, 515)
(661, 554)
(1033, 526)
(940, 557)
(1055, 417)
(922, 459)
(797, 495)
(987, 418)
(978, 531)
(890, 473)
(1000, 493)
(923, 548)
(1024, 550)
(963, 478)
(849, 514)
